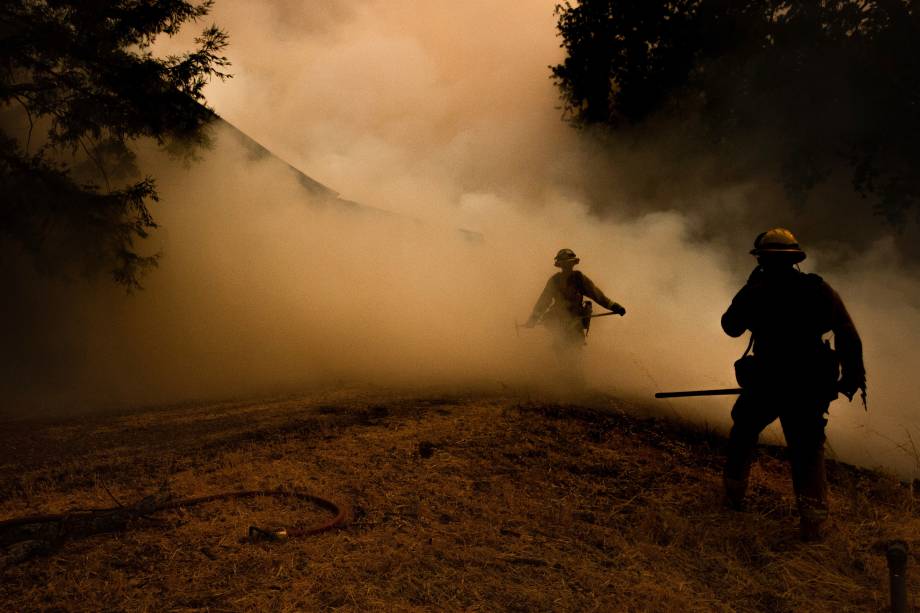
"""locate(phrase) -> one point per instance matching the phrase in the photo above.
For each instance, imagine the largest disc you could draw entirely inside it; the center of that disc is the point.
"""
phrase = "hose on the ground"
(105, 520)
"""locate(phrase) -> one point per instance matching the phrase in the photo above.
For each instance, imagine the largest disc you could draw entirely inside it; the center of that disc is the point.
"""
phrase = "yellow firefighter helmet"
(779, 242)
(565, 255)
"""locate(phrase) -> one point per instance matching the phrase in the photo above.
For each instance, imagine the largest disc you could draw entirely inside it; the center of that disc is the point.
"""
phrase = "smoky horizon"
(439, 129)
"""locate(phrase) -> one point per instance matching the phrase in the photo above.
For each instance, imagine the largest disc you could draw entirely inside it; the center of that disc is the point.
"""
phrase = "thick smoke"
(443, 114)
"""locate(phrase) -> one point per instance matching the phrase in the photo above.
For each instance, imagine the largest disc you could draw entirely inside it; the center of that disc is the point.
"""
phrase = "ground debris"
(517, 506)
(22, 551)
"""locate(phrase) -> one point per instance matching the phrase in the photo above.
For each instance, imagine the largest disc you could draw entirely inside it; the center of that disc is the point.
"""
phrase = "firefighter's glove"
(757, 278)
(618, 309)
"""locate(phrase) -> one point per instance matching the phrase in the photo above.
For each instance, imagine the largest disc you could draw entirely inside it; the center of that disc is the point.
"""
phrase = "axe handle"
(732, 391)
(517, 326)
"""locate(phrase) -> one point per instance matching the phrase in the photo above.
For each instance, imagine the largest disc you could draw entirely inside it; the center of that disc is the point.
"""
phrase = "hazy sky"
(442, 111)
(445, 110)
(398, 104)
(360, 94)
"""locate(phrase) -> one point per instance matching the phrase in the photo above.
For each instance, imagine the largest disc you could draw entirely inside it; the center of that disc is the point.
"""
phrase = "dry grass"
(459, 503)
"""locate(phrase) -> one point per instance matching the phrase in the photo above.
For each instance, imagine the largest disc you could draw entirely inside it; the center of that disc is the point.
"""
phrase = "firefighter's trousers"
(803, 423)
(568, 347)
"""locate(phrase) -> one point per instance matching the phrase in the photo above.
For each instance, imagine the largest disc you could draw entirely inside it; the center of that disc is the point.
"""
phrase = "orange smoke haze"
(443, 113)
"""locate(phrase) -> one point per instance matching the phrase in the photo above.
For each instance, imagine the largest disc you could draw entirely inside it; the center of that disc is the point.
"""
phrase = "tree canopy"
(79, 83)
(806, 88)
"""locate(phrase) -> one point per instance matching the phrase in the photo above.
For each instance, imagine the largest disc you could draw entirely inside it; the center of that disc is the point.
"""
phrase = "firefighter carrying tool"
(792, 374)
(562, 306)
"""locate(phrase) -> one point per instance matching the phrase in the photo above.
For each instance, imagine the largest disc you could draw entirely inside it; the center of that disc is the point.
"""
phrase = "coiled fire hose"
(106, 520)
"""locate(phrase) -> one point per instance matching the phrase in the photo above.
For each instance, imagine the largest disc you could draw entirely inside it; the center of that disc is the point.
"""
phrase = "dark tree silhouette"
(804, 88)
(79, 82)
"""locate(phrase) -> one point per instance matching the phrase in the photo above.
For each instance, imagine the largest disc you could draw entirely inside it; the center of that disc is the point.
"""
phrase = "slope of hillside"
(457, 502)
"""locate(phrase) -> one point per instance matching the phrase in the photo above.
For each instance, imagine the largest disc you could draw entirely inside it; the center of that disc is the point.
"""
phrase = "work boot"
(735, 504)
(813, 516)
(734, 494)
(811, 531)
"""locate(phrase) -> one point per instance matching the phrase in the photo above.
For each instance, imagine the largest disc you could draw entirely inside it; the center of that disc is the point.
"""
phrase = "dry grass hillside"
(457, 503)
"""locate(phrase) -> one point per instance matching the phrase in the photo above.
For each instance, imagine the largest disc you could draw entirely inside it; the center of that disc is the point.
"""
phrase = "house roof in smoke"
(316, 191)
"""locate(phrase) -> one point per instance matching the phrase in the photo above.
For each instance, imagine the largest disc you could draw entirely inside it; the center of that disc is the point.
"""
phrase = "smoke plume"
(442, 115)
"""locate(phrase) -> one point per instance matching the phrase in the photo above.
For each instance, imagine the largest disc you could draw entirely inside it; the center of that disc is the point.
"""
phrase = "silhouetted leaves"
(80, 83)
(798, 89)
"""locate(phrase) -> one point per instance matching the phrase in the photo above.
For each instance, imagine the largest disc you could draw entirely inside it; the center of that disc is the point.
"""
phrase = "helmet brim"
(790, 253)
(559, 263)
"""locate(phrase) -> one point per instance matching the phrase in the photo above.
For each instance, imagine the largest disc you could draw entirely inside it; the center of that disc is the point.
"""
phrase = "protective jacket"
(794, 379)
(788, 312)
(563, 297)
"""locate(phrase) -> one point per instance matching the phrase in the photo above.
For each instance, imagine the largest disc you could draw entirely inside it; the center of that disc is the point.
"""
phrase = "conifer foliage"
(805, 90)
(80, 81)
